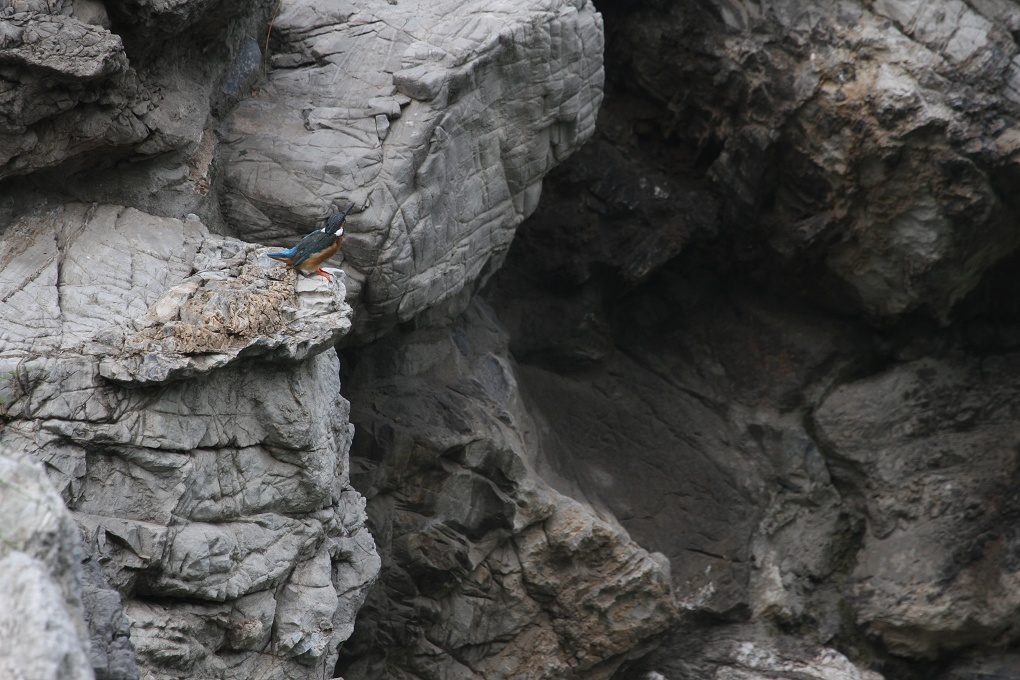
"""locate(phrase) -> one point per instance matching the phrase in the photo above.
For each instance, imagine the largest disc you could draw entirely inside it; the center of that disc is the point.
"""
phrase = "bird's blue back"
(315, 242)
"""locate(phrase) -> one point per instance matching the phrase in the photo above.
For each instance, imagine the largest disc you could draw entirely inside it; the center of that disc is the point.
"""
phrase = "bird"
(317, 247)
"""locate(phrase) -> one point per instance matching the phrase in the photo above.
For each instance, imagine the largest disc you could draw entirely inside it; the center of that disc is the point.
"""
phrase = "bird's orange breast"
(315, 261)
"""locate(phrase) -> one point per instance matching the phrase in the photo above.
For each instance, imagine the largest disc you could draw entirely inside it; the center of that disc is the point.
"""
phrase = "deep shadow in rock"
(487, 570)
(697, 284)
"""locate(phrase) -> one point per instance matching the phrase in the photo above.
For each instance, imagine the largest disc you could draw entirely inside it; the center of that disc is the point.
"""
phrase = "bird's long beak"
(348, 210)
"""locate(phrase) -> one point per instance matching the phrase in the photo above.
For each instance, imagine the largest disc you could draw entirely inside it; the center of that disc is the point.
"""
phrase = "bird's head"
(335, 222)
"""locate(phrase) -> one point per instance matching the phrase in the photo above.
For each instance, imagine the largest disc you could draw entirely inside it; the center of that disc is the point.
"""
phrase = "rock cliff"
(667, 340)
(184, 398)
(767, 315)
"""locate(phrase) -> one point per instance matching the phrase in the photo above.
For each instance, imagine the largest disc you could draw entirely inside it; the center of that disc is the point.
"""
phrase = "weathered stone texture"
(871, 140)
(933, 443)
(204, 479)
(76, 96)
(182, 389)
(441, 119)
(746, 407)
(750, 652)
(488, 572)
(111, 652)
(43, 635)
(719, 311)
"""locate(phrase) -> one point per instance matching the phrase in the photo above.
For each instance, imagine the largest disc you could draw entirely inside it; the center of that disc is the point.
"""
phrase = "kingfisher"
(317, 247)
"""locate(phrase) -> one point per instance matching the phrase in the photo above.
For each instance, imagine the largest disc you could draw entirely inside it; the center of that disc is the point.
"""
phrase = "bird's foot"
(325, 274)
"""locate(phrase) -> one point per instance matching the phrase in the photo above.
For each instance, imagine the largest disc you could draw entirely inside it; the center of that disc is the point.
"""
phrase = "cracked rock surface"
(867, 141)
(182, 390)
(440, 119)
(767, 316)
(737, 402)
(938, 569)
(75, 95)
(209, 475)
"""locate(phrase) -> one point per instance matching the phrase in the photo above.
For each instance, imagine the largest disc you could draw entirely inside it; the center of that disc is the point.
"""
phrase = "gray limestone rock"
(209, 475)
(719, 312)
(750, 652)
(38, 42)
(43, 635)
(687, 424)
(182, 390)
(75, 95)
(34, 611)
(440, 119)
(111, 652)
(690, 452)
(59, 75)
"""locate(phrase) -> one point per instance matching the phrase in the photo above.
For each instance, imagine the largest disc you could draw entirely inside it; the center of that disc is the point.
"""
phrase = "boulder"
(767, 320)
(749, 652)
(440, 121)
(866, 145)
(931, 445)
(119, 107)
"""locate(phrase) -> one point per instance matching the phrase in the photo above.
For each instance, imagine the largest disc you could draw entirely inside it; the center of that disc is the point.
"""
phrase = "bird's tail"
(282, 256)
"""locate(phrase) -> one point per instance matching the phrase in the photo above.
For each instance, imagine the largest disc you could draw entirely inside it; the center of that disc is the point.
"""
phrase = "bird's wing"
(311, 245)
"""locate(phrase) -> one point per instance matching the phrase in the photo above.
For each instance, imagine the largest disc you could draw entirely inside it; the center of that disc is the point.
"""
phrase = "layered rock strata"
(727, 322)
(779, 281)
(75, 94)
(184, 395)
(179, 387)
(873, 142)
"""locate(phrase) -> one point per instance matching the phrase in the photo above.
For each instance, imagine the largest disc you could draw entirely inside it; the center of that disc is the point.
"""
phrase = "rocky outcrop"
(182, 390)
(74, 95)
(865, 145)
(440, 119)
(50, 91)
(932, 445)
(111, 651)
(741, 408)
(209, 476)
(487, 571)
(727, 309)
(751, 652)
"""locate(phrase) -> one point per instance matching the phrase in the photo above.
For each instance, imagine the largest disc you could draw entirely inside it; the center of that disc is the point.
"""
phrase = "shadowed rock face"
(934, 444)
(182, 389)
(872, 141)
(39, 563)
(487, 571)
(438, 120)
(766, 317)
(82, 88)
